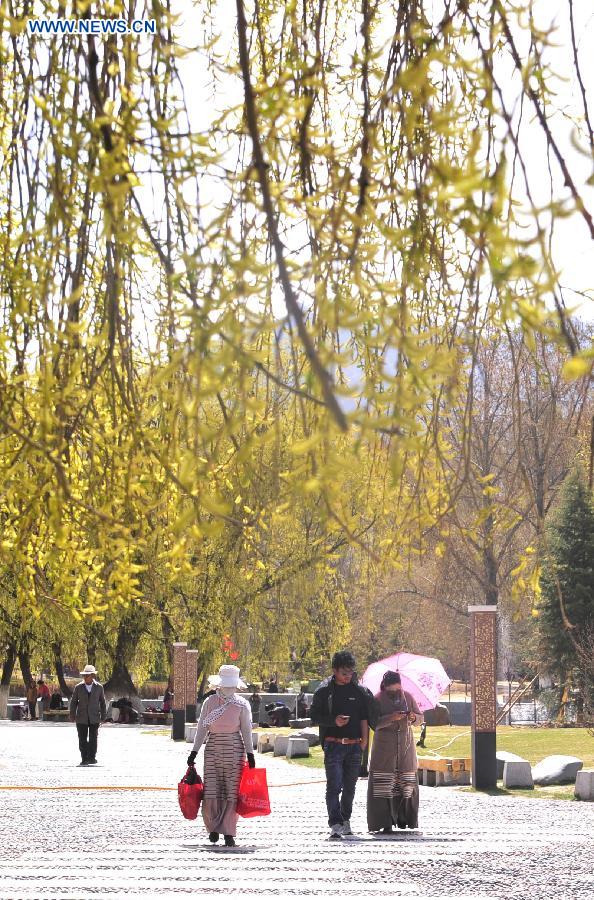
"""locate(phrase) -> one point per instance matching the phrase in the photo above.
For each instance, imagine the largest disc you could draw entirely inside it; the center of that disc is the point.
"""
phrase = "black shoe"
(213, 837)
(83, 763)
(229, 840)
(388, 830)
(92, 762)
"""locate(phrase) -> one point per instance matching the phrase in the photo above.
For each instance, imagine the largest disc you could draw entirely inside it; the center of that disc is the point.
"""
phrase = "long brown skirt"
(393, 786)
(224, 756)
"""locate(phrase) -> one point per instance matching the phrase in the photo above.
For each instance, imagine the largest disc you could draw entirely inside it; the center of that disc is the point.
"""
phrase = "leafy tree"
(234, 324)
(566, 608)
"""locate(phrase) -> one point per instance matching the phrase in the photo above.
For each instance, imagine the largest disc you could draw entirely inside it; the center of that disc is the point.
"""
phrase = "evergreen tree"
(566, 619)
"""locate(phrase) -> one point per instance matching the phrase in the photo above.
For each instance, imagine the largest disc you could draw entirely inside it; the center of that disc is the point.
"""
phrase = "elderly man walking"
(88, 710)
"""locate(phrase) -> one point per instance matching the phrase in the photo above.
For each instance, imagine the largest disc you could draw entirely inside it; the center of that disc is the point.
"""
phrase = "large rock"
(281, 743)
(504, 756)
(440, 715)
(266, 742)
(557, 770)
(297, 746)
(584, 785)
(517, 774)
(312, 736)
(190, 731)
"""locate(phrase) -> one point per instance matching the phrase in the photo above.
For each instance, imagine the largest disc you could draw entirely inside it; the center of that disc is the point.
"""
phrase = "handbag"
(189, 793)
(252, 797)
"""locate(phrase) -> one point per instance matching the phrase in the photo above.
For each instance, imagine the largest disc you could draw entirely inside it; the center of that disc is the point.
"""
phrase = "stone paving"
(72, 837)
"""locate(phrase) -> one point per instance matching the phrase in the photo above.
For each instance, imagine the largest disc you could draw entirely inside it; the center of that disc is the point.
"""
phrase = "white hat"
(88, 670)
(228, 677)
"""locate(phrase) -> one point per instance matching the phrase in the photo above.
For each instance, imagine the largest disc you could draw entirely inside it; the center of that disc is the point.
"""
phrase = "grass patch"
(554, 792)
(532, 744)
(314, 761)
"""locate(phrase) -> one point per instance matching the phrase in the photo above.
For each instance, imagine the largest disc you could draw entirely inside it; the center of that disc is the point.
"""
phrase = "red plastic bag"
(190, 794)
(252, 799)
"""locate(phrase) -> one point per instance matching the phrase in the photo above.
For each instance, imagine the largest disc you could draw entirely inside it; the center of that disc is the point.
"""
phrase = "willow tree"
(304, 223)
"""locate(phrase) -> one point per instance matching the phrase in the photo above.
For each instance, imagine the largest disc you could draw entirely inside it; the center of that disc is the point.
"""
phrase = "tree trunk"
(120, 681)
(8, 665)
(91, 651)
(25, 663)
(57, 651)
(7, 669)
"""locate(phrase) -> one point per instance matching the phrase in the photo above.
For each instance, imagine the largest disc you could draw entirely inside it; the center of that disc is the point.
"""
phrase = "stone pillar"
(191, 684)
(178, 724)
(483, 661)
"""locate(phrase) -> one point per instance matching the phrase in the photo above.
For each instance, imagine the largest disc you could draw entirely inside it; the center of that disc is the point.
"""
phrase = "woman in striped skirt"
(226, 723)
(393, 787)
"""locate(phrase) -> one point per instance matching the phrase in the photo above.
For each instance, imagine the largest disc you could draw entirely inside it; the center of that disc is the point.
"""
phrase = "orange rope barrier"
(119, 787)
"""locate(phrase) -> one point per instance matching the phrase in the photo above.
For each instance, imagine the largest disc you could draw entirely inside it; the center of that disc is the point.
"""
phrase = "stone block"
(297, 746)
(311, 735)
(584, 785)
(557, 770)
(281, 742)
(504, 756)
(266, 743)
(255, 737)
(439, 715)
(190, 733)
(517, 774)
(299, 723)
(462, 777)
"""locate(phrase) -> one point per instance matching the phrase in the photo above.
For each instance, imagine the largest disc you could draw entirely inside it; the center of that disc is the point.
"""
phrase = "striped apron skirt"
(224, 755)
(393, 786)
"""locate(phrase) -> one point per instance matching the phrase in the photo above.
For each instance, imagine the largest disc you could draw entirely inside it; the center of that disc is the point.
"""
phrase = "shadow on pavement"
(220, 848)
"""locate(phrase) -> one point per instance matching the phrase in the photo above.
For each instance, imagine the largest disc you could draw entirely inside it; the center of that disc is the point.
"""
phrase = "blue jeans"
(342, 763)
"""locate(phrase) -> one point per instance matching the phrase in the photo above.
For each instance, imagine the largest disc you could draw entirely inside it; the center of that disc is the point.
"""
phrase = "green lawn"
(531, 743)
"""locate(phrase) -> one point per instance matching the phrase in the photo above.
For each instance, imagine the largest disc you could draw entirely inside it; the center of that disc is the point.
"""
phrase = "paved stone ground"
(84, 841)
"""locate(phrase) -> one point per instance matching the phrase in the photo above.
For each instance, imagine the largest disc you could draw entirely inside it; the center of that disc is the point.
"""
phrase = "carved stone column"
(483, 661)
(179, 692)
(191, 684)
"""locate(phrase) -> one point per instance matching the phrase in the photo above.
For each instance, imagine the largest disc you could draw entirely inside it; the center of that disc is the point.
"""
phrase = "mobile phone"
(344, 716)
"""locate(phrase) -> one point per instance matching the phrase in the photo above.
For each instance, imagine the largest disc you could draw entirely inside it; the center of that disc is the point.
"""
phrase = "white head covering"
(226, 682)
(228, 677)
(88, 670)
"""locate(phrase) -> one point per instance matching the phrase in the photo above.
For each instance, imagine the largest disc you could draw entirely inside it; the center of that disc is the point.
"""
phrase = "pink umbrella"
(422, 676)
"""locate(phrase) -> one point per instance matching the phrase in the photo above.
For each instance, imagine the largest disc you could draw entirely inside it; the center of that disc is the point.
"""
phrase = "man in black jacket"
(340, 708)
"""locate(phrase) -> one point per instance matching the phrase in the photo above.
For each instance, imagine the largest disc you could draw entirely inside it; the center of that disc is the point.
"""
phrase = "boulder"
(557, 770)
(504, 756)
(190, 731)
(440, 715)
(297, 746)
(281, 742)
(584, 785)
(266, 742)
(517, 774)
(311, 735)
(299, 723)
(255, 736)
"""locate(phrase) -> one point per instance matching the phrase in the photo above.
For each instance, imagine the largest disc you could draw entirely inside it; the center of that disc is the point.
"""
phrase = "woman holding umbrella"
(393, 788)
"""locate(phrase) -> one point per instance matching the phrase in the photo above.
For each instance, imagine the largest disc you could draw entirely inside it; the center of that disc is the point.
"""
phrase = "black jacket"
(321, 706)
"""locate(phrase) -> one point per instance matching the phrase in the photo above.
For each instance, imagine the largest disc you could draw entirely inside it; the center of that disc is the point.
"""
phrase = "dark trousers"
(87, 740)
(342, 763)
(32, 710)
